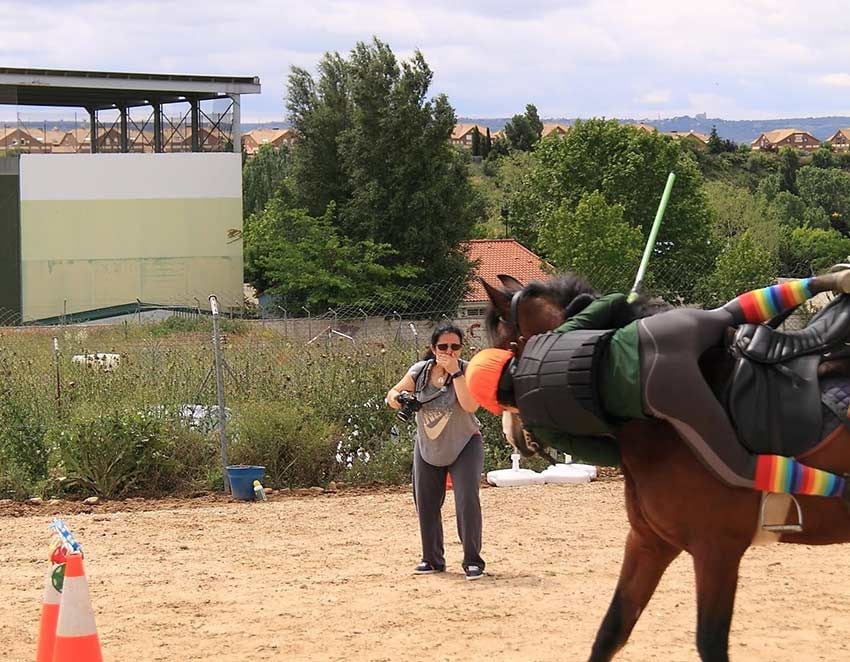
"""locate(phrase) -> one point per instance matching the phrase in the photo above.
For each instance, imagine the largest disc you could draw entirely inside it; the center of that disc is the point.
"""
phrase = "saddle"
(774, 396)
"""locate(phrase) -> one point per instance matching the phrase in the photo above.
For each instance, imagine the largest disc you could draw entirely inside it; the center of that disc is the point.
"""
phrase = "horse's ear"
(500, 299)
(511, 284)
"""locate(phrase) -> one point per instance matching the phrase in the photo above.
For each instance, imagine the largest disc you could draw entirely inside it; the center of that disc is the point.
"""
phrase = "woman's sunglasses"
(443, 346)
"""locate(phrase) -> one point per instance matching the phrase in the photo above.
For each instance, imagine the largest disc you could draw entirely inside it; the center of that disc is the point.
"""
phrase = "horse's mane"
(562, 289)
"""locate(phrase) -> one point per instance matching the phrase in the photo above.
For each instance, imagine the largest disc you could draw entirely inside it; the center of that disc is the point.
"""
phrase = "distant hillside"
(741, 131)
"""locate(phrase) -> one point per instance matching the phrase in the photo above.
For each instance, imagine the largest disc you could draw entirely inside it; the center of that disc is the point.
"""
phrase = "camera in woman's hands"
(409, 406)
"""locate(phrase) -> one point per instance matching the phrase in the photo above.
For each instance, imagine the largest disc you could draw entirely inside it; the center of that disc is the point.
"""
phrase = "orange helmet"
(483, 374)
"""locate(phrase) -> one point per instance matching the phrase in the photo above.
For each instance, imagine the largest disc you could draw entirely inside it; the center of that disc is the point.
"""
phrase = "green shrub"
(294, 443)
(388, 462)
(113, 453)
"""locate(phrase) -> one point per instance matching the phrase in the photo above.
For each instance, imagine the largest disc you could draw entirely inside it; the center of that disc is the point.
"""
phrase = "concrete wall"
(101, 230)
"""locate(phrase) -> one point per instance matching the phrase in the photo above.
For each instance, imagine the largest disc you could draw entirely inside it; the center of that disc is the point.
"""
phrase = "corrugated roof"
(501, 256)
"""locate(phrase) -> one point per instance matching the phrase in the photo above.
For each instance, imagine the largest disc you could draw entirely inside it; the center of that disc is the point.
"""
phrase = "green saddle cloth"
(600, 451)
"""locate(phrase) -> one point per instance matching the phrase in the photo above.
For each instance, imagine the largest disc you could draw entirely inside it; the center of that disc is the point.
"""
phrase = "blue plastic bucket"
(242, 477)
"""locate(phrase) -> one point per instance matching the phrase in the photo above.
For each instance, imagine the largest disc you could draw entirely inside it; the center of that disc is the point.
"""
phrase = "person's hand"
(448, 362)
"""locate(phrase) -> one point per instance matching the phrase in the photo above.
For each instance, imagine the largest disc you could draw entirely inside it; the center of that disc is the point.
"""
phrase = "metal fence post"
(309, 322)
(58, 376)
(219, 389)
(365, 323)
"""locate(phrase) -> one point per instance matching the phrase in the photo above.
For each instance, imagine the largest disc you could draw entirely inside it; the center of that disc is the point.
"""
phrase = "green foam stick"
(653, 233)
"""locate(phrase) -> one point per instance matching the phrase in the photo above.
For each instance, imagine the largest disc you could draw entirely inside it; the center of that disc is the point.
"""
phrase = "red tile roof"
(502, 256)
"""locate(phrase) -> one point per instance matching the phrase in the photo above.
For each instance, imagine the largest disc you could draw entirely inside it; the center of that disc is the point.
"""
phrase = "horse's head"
(516, 313)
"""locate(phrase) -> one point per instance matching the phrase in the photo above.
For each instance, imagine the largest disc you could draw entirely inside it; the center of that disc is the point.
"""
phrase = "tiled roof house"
(498, 256)
(796, 138)
(840, 140)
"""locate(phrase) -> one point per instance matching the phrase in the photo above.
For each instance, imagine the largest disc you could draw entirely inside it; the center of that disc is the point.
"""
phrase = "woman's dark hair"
(440, 329)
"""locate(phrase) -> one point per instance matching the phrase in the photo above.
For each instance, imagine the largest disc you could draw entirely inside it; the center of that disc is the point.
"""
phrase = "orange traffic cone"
(448, 481)
(76, 635)
(49, 617)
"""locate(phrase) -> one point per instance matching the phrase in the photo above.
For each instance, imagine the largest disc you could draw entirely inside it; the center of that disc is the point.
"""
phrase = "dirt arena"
(328, 577)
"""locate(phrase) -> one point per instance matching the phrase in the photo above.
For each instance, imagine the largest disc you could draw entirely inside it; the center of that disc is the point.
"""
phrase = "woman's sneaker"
(426, 568)
(474, 572)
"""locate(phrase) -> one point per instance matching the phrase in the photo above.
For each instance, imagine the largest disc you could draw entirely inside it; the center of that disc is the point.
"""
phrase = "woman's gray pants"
(429, 493)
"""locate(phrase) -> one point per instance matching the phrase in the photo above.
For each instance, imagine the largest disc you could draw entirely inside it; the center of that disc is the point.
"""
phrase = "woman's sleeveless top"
(443, 428)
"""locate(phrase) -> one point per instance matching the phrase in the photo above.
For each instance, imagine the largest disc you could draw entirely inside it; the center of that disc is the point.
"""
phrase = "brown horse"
(673, 503)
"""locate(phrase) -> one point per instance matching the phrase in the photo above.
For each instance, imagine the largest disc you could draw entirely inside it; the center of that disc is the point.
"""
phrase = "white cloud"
(834, 80)
(655, 97)
(570, 57)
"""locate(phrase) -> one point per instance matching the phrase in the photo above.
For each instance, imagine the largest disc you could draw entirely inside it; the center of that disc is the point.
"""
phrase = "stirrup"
(794, 527)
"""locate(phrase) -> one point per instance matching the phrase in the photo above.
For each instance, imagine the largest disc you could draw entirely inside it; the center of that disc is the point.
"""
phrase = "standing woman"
(447, 440)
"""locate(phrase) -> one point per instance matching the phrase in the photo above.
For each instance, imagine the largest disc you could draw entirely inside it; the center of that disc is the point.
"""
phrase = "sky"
(730, 59)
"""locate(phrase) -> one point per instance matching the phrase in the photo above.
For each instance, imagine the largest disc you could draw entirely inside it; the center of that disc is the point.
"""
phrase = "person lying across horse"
(648, 367)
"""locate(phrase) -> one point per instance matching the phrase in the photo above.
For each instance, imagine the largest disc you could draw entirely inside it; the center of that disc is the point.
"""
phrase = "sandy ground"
(328, 577)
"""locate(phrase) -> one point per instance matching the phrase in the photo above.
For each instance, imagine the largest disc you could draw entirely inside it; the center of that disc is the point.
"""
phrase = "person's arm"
(464, 397)
(604, 313)
(452, 366)
(406, 384)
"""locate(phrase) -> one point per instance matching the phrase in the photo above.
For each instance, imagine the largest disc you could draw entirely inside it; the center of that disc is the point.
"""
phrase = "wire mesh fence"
(412, 311)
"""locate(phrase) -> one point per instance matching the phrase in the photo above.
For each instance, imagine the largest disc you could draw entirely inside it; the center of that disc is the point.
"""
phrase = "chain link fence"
(415, 310)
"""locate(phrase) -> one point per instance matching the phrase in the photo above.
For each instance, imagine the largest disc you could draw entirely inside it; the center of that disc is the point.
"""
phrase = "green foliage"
(499, 180)
(716, 145)
(305, 261)
(824, 157)
(476, 142)
(376, 147)
(791, 210)
(113, 453)
(789, 163)
(744, 264)
(23, 451)
(628, 167)
(523, 131)
(593, 241)
(263, 177)
(828, 189)
(736, 210)
(295, 445)
(805, 251)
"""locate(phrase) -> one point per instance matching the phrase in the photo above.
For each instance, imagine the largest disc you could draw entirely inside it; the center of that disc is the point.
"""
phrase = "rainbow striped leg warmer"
(761, 305)
(775, 473)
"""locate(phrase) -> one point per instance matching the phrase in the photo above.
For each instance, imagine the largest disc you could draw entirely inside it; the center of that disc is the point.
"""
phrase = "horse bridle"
(516, 347)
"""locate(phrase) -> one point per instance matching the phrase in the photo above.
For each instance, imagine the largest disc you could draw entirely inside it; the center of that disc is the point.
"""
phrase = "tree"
(789, 163)
(488, 144)
(715, 144)
(743, 264)
(594, 241)
(302, 260)
(628, 167)
(374, 145)
(824, 157)
(828, 189)
(736, 210)
(263, 177)
(523, 131)
(805, 251)
(476, 142)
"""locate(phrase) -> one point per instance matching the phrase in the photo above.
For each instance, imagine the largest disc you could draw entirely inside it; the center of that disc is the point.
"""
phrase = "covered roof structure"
(108, 90)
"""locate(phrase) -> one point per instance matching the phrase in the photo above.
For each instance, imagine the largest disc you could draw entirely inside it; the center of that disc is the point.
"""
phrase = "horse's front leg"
(716, 568)
(647, 557)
